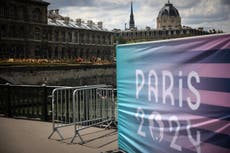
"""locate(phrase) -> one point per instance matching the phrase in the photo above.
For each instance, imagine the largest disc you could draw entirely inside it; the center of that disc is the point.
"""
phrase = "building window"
(87, 54)
(103, 39)
(82, 38)
(37, 52)
(69, 37)
(98, 39)
(36, 14)
(56, 53)
(93, 39)
(50, 35)
(5, 11)
(63, 36)
(76, 37)
(21, 33)
(56, 35)
(37, 33)
(109, 40)
(3, 31)
(63, 53)
(1, 10)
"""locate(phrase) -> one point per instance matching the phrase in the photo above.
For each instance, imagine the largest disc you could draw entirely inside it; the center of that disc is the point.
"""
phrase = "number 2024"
(158, 118)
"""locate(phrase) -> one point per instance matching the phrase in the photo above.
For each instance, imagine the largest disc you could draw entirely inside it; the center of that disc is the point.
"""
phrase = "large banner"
(174, 95)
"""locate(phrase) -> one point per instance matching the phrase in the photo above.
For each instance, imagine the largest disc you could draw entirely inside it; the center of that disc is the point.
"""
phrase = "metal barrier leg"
(77, 134)
(58, 132)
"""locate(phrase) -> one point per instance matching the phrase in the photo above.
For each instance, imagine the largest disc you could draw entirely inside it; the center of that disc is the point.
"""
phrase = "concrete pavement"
(26, 136)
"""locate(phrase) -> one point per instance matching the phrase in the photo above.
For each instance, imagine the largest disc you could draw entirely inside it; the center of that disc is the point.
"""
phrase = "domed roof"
(168, 10)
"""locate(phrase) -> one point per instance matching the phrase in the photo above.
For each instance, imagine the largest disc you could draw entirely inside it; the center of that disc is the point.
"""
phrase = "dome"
(168, 17)
(169, 10)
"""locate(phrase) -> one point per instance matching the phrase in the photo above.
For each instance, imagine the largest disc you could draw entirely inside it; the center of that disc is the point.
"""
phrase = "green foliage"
(121, 40)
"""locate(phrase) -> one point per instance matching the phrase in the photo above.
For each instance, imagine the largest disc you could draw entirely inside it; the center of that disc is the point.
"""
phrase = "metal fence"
(82, 107)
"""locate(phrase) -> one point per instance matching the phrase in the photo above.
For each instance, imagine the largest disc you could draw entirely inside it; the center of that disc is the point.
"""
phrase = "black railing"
(29, 101)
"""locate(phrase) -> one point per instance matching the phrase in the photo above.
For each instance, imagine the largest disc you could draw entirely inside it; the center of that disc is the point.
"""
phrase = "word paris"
(153, 86)
(167, 91)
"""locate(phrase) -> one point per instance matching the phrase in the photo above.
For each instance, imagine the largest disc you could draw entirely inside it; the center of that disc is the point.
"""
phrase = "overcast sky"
(115, 13)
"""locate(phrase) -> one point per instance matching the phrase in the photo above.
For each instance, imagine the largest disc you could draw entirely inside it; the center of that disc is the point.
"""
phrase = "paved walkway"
(25, 136)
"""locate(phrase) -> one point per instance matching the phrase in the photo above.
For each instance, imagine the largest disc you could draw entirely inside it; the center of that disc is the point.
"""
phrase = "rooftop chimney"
(90, 23)
(66, 20)
(78, 22)
(51, 12)
(57, 11)
(54, 20)
(100, 25)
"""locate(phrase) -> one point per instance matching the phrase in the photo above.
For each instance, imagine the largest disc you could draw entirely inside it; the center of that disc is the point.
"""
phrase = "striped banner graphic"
(174, 95)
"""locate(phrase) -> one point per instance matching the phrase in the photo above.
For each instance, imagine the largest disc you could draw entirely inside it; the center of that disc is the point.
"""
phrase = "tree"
(121, 40)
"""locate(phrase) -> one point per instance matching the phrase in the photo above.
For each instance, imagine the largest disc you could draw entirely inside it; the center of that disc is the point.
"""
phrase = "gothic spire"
(131, 20)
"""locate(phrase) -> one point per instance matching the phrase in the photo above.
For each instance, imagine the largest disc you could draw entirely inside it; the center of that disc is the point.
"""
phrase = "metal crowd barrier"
(92, 106)
(81, 107)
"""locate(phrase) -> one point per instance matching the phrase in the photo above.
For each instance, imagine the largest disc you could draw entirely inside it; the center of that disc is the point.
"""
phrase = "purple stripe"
(202, 122)
(218, 42)
(205, 147)
(213, 43)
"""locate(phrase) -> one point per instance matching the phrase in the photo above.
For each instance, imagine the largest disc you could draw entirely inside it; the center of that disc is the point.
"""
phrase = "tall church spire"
(131, 20)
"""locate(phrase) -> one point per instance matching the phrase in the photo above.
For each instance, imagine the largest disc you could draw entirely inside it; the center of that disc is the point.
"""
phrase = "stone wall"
(59, 75)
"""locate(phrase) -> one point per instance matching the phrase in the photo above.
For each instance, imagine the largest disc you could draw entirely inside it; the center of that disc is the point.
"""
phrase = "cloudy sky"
(115, 13)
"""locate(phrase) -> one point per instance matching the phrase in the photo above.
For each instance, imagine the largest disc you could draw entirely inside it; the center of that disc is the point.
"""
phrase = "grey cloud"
(185, 4)
(225, 2)
(204, 20)
(85, 3)
(63, 3)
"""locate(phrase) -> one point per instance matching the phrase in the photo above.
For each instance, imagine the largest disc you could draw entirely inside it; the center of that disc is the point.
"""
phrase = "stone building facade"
(168, 26)
(29, 30)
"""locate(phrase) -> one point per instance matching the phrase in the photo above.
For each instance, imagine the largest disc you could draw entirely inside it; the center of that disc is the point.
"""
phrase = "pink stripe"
(206, 70)
(209, 97)
(184, 142)
(209, 148)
